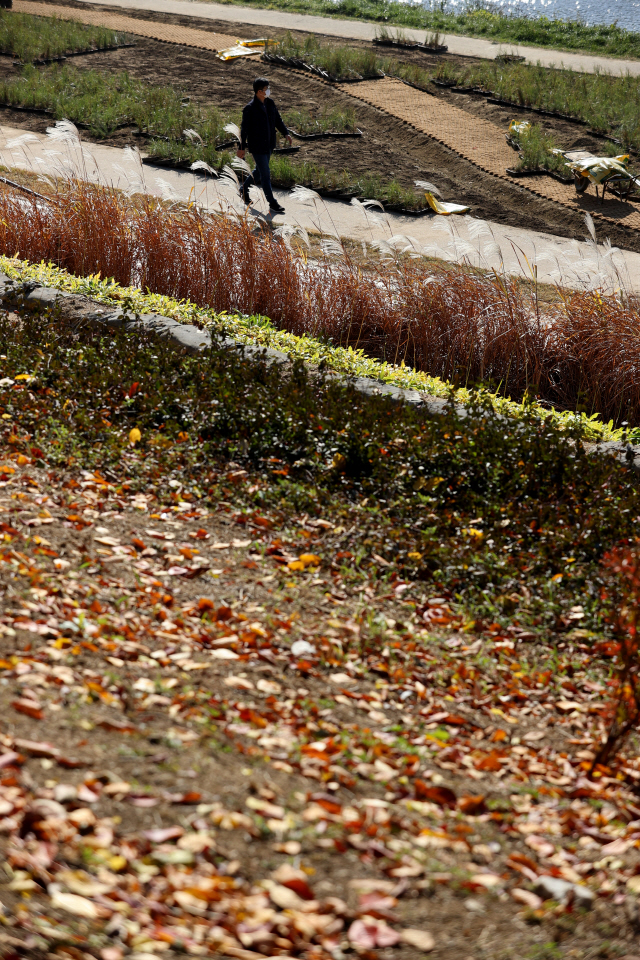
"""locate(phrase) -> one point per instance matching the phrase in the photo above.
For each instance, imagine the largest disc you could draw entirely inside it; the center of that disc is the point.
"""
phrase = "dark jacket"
(259, 125)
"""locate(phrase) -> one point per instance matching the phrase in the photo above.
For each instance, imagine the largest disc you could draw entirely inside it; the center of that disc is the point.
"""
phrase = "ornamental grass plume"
(468, 328)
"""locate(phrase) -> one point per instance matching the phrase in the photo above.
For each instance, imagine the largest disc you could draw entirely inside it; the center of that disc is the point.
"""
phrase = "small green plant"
(537, 150)
(338, 62)
(336, 120)
(545, 951)
(434, 39)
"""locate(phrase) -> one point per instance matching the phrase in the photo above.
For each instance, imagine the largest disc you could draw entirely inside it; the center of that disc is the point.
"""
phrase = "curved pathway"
(457, 239)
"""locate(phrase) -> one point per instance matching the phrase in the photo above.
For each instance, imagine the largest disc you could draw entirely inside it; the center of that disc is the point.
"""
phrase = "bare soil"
(159, 747)
(389, 147)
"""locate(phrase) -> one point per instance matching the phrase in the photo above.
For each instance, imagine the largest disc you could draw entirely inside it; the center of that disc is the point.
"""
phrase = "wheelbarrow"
(610, 173)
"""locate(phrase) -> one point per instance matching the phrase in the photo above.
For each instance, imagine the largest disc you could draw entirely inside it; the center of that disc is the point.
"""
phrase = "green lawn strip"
(260, 331)
(42, 38)
(485, 510)
(556, 34)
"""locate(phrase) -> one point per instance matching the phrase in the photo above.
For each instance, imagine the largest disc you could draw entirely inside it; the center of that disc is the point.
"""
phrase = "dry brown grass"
(583, 352)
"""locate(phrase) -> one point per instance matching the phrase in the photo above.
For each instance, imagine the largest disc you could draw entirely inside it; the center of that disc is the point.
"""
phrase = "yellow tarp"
(517, 129)
(245, 48)
(233, 53)
(598, 169)
(444, 209)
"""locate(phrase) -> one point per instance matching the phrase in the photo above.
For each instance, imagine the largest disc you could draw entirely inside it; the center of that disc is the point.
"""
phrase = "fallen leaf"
(568, 706)
(443, 796)
(420, 939)
(527, 898)
(162, 835)
(78, 906)
(488, 880)
(31, 708)
(37, 748)
(472, 806)
(369, 933)
(239, 682)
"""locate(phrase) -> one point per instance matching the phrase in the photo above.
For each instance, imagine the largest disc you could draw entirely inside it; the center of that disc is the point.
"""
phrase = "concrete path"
(360, 30)
(459, 239)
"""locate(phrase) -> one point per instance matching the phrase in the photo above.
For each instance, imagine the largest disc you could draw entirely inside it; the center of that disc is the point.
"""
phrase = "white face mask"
(267, 92)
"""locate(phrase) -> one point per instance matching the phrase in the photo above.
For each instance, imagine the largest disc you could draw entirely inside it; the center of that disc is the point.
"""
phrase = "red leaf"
(443, 796)
(327, 802)
(300, 887)
(119, 726)
(70, 764)
(31, 708)
(490, 762)
(37, 748)
(10, 759)
(472, 806)
(199, 534)
(454, 721)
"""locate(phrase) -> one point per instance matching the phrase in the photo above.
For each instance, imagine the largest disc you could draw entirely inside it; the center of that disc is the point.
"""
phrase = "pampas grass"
(582, 353)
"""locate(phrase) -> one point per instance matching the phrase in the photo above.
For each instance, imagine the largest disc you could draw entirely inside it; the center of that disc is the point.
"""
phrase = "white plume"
(304, 194)
(426, 185)
(588, 221)
(22, 140)
(239, 164)
(64, 131)
(201, 165)
(233, 129)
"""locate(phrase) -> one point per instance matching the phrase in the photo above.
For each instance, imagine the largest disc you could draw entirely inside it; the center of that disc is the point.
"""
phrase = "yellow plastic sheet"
(261, 42)
(517, 129)
(233, 53)
(599, 169)
(444, 209)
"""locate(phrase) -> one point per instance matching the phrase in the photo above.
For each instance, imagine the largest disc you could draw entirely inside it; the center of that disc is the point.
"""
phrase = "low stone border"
(191, 339)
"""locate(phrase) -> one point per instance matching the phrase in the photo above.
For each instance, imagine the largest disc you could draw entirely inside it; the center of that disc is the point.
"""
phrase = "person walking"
(260, 120)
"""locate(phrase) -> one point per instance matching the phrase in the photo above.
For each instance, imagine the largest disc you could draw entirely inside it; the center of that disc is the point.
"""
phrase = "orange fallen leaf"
(442, 796)
(31, 708)
(472, 806)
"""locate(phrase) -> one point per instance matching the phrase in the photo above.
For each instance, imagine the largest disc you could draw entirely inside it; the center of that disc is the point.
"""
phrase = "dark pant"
(261, 177)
